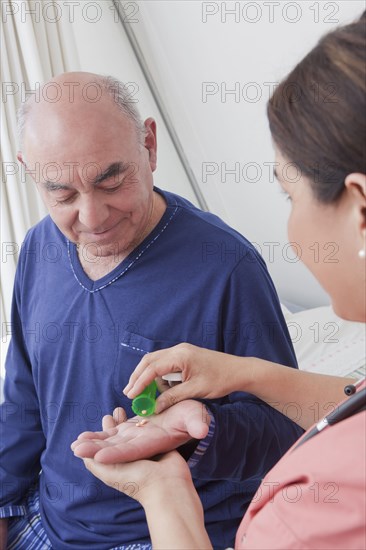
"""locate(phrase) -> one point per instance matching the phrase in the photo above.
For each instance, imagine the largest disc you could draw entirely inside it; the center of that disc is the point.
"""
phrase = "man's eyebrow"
(52, 186)
(113, 170)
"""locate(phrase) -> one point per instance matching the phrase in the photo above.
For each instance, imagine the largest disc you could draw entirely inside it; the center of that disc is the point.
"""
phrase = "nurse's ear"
(355, 184)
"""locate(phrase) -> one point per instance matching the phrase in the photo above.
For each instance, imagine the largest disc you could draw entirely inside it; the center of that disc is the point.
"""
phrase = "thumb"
(171, 397)
(198, 422)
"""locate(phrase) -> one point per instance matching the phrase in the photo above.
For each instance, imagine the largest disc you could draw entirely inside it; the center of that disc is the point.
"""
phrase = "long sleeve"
(249, 436)
(22, 439)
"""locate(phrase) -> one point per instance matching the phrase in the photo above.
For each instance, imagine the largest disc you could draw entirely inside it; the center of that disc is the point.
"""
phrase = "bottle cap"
(173, 377)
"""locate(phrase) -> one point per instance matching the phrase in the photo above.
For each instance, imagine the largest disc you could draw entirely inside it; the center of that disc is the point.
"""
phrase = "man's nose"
(93, 214)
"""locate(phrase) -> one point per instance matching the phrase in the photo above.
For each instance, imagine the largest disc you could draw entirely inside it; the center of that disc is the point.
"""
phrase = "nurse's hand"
(126, 440)
(143, 477)
(165, 489)
(205, 374)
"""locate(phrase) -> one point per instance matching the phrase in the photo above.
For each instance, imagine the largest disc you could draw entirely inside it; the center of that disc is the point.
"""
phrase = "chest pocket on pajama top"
(132, 348)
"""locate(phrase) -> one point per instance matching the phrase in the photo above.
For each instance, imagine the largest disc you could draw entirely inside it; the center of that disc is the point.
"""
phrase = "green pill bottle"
(144, 403)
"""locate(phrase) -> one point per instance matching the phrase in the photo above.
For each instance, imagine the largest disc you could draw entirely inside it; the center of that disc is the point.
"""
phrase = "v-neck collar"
(125, 265)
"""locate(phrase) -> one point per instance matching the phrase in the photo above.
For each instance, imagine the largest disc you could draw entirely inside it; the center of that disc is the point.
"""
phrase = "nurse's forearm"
(302, 396)
(175, 518)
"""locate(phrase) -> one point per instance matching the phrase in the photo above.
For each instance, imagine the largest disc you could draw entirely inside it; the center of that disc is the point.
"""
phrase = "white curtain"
(37, 43)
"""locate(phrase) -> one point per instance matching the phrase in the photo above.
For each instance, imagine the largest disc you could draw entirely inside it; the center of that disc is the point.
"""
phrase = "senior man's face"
(93, 174)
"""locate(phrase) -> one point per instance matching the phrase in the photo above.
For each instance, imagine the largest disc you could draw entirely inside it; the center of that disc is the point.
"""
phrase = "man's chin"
(101, 249)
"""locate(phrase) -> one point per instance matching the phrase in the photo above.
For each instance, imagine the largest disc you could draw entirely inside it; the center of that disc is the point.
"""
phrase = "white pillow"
(327, 344)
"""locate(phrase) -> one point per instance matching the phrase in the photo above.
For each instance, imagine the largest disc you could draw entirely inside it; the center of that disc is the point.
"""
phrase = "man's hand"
(138, 438)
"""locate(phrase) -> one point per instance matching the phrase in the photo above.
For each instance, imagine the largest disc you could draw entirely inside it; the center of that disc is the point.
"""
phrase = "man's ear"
(151, 141)
(355, 184)
(20, 157)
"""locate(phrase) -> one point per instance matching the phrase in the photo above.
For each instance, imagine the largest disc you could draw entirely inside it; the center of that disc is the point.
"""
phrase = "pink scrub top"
(314, 498)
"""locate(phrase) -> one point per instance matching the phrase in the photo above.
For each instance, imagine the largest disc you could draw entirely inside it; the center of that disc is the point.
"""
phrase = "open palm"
(127, 441)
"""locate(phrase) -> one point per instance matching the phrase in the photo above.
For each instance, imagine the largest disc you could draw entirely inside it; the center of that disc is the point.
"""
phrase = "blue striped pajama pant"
(27, 532)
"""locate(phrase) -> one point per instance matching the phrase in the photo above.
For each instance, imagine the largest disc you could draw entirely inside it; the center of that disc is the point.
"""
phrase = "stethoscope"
(355, 404)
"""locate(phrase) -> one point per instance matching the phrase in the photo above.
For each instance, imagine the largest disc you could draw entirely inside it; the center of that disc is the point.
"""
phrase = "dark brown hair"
(317, 114)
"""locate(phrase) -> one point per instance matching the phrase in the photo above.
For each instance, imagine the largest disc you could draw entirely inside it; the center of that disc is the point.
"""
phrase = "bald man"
(118, 269)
